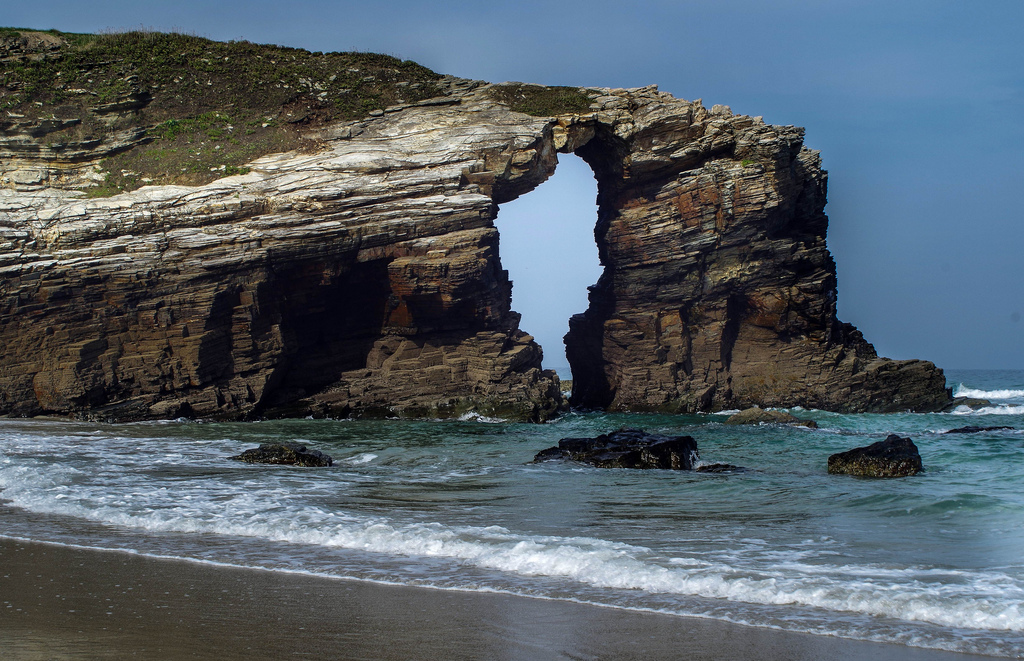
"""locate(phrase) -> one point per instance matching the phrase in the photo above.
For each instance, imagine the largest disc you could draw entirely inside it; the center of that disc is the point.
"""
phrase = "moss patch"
(542, 101)
(209, 106)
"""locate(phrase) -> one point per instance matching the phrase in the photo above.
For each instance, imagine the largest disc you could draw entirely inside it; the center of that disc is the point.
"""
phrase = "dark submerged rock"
(626, 448)
(973, 429)
(756, 415)
(290, 454)
(893, 457)
(549, 453)
(720, 468)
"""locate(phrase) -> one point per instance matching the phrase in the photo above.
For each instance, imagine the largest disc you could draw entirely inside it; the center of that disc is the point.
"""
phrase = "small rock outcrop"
(756, 415)
(626, 448)
(972, 403)
(289, 454)
(893, 457)
(973, 429)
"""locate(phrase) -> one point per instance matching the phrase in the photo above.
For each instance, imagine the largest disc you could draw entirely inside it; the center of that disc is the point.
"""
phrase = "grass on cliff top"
(209, 106)
(72, 38)
(541, 101)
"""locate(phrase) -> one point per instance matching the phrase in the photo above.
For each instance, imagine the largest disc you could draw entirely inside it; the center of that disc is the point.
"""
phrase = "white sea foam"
(989, 410)
(963, 391)
(978, 600)
(364, 458)
(472, 416)
(164, 484)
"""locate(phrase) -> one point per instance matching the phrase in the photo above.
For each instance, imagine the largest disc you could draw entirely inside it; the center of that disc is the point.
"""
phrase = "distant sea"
(935, 560)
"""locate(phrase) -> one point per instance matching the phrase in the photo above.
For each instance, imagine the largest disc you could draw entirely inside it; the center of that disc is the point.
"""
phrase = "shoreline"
(70, 602)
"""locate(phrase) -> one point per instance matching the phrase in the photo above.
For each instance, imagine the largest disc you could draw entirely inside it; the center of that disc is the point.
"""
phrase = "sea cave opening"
(548, 248)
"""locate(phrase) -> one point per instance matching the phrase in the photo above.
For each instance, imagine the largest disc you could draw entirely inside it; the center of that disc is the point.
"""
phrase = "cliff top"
(173, 108)
(207, 107)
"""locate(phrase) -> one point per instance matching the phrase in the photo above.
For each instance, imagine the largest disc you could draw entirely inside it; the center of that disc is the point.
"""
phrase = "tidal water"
(935, 560)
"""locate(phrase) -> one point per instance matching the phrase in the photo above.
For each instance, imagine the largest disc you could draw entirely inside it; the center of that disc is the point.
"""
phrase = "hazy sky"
(916, 105)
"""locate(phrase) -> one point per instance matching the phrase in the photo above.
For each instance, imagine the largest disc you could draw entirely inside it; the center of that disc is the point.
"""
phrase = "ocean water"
(935, 560)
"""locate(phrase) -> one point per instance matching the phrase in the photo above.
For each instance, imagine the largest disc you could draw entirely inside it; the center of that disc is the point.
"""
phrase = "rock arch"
(718, 289)
(365, 279)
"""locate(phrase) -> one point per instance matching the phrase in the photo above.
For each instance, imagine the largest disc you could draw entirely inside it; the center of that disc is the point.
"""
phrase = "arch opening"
(549, 250)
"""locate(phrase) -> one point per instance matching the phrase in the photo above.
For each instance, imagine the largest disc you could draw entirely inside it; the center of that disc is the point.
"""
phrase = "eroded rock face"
(718, 290)
(364, 279)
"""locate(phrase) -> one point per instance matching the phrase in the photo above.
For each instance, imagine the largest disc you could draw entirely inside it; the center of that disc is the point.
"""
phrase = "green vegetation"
(209, 106)
(542, 101)
(70, 38)
(73, 38)
(197, 150)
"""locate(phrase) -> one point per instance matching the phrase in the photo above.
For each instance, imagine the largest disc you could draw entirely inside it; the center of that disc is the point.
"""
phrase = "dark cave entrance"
(548, 248)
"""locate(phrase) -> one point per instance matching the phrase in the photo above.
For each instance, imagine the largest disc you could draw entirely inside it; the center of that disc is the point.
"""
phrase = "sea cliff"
(176, 240)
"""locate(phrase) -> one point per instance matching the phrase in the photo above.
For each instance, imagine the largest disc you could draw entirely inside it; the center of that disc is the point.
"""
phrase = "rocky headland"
(318, 239)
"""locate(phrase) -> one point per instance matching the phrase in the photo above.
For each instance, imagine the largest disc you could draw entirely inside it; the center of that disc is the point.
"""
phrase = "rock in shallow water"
(756, 415)
(720, 468)
(627, 448)
(972, 403)
(893, 457)
(290, 454)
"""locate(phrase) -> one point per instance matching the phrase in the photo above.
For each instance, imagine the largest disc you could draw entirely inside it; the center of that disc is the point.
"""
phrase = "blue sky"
(916, 107)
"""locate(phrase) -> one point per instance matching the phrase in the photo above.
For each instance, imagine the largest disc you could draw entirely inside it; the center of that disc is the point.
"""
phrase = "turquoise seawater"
(935, 560)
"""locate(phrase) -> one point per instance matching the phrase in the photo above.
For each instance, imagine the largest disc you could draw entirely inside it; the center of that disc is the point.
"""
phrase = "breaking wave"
(989, 410)
(987, 600)
(963, 391)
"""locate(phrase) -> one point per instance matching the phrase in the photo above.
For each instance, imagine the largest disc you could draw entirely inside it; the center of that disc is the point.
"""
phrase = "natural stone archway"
(365, 279)
(718, 289)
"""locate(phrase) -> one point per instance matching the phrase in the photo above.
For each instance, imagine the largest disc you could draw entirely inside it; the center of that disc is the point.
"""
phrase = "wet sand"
(66, 603)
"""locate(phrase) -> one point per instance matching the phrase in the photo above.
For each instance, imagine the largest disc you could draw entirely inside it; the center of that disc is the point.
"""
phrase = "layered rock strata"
(718, 289)
(364, 279)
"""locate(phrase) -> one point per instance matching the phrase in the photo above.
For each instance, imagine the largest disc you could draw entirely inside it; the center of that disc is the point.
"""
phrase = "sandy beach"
(69, 603)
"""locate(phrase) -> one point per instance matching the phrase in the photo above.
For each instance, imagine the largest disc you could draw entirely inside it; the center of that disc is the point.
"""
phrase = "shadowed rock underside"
(363, 278)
